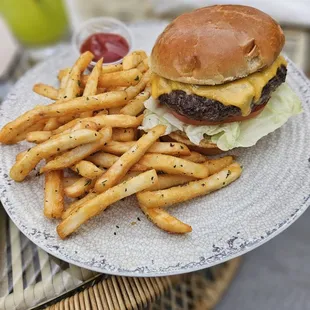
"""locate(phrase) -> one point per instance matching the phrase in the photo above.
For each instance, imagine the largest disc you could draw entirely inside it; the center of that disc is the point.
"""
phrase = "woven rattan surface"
(198, 290)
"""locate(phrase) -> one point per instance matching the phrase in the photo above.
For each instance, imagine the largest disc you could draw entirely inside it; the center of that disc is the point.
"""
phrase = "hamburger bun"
(217, 44)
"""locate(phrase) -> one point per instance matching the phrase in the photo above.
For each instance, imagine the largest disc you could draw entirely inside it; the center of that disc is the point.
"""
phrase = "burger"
(218, 79)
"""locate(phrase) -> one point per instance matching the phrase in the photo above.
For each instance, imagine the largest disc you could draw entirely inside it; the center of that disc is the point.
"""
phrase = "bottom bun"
(206, 148)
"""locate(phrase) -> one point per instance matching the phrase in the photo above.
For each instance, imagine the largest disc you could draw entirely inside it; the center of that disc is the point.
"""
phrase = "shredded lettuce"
(283, 104)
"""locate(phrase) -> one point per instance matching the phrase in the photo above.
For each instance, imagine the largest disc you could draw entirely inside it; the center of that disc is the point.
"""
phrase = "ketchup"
(110, 46)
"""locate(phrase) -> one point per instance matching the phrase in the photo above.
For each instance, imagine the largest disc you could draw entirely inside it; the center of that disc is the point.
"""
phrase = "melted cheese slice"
(239, 93)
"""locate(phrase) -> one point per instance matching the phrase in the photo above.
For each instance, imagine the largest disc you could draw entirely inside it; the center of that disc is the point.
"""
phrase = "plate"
(271, 194)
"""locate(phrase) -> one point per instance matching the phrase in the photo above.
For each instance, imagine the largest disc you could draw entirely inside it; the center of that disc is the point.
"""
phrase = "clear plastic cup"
(97, 25)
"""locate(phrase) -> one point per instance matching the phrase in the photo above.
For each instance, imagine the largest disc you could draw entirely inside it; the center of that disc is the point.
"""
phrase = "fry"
(63, 84)
(70, 180)
(41, 136)
(20, 155)
(22, 135)
(143, 65)
(133, 91)
(77, 105)
(38, 136)
(168, 197)
(216, 165)
(74, 205)
(91, 85)
(135, 106)
(102, 159)
(119, 169)
(49, 148)
(98, 204)
(114, 111)
(72, 89)
(46, 91)
(123, 134)
(80, 152)
(133, 59)
(51, 124)
(123, 121)
(174, 165)
(119, 78)
(165, 221)
(195, 157)
(87, 169)
(170, 180)
(54, 194)
(119, 148)
(79, 188)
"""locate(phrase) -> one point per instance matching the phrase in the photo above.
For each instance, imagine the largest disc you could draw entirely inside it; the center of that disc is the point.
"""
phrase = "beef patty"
(203, 109)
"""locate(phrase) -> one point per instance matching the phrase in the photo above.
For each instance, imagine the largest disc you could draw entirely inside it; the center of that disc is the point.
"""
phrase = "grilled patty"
(203, 109)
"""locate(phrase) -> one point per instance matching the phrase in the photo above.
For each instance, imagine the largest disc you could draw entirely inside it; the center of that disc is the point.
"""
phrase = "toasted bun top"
(217, 44)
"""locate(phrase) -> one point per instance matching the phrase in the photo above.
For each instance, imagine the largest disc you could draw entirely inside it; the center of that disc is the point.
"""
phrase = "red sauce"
(110, 46)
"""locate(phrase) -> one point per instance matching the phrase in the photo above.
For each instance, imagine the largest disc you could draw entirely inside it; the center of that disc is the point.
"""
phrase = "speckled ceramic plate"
(271, 194)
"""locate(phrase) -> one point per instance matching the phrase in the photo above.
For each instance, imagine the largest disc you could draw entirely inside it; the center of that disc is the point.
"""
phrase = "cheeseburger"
(218, 79)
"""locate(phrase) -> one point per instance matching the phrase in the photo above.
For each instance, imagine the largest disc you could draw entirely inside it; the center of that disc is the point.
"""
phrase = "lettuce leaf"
(283, 104)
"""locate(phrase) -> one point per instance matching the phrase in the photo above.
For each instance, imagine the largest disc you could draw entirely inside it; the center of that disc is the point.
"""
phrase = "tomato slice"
(256, 111)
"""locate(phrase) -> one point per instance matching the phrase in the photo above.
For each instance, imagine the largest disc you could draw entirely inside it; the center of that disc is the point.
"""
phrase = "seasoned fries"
(46, 91)
(80, 187)
(49, 148)
(87, 169)
(54, 194)
(80, 152)
(124, 134)
(170, 196)
(119, 169)
(174, 165)
(165, 221)
(119, 148)
(119, 78)
(135, 106)
(98, 204)
(94, 151)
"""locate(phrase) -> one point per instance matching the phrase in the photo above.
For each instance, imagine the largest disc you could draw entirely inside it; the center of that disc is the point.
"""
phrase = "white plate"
(271, 194)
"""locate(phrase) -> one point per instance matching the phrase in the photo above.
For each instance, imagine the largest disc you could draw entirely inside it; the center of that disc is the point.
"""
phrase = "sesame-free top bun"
(217, 44)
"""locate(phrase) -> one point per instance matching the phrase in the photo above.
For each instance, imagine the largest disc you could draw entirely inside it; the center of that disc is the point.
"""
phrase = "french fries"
(135, 106)
(79, 188)
(195, 157)
(78, 153)
(170, 196)
(124, 134)
(98, 204)
(133, 59)
(54, 194)
(87, 169)
(46, 91)
(70, 180)
(49, 148)
(74, 205)
(77, 105)
(91, 85)
(165, 221)
(119, 78)
(119, 169)
(119, 148)
(216, 165)
(91, 131)
(170, 180)
(174, 165)
(38, 136)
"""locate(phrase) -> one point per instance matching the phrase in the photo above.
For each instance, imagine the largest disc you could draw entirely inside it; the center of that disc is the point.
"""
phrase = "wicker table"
(32, 279)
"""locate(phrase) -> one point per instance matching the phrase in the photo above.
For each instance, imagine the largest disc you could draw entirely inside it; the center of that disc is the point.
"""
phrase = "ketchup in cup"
(112, 47)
